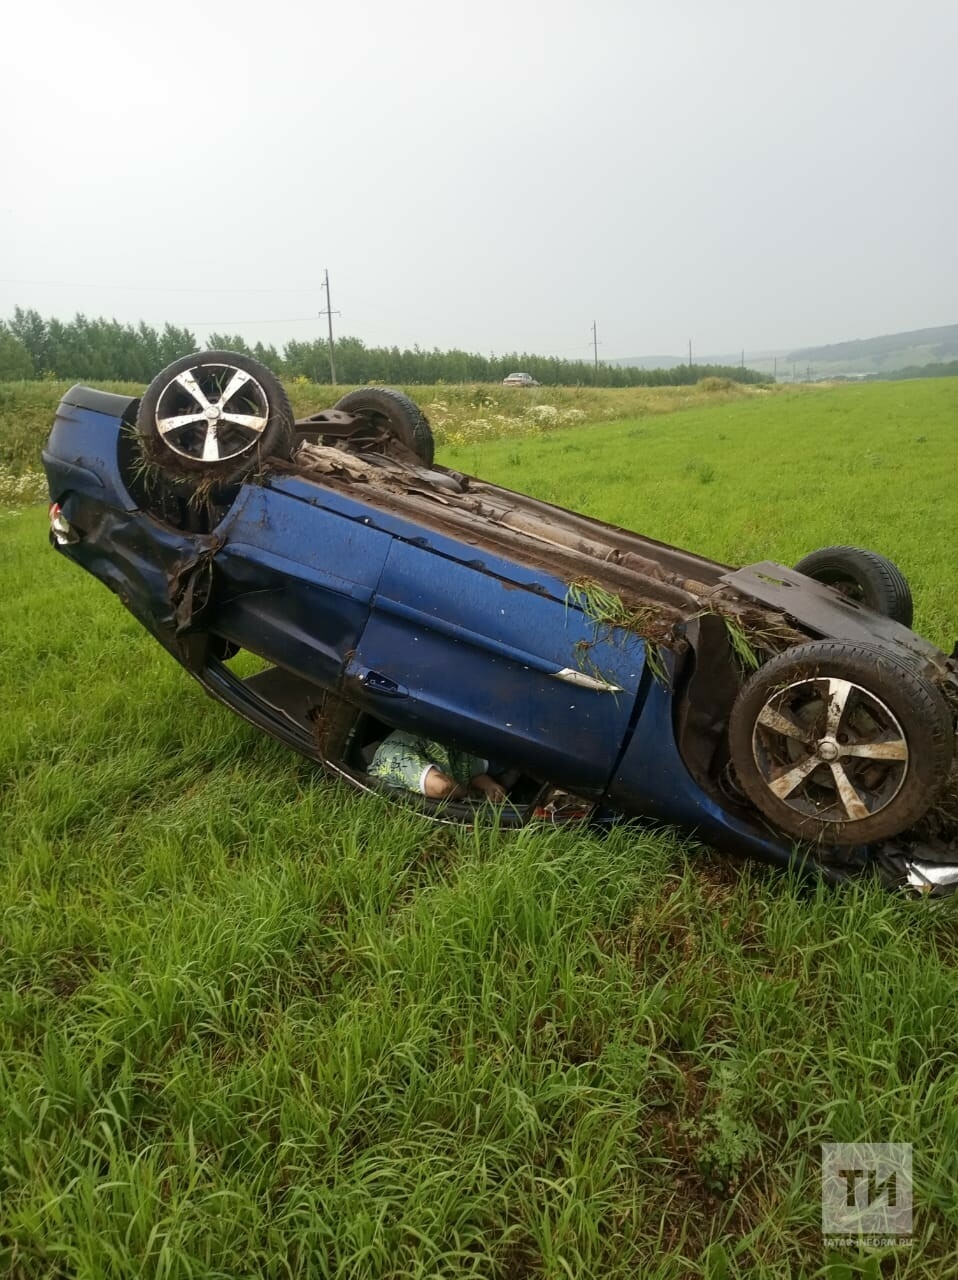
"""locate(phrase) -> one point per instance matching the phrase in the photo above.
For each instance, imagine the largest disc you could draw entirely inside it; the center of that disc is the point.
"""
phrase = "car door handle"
(376, 682)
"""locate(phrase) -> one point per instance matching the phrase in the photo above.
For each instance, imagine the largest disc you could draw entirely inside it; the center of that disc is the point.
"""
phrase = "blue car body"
(365, 600)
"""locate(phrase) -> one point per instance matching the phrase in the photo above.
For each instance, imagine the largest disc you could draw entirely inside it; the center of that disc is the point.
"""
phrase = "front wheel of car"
(393, 414)
(864, 576)
(213, 416)
(839, 743)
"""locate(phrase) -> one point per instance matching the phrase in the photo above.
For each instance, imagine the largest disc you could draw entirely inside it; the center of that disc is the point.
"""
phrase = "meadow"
(459, 414)
(256, 1025)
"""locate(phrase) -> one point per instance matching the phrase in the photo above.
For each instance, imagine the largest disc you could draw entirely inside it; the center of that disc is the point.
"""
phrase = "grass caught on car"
(255, 1024)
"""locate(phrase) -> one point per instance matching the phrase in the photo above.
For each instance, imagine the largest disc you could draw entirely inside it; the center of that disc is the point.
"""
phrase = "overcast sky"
(493, 176)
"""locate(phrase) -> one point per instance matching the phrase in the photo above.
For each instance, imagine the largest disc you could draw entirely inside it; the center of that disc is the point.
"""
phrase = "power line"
(157, 288)
(288, 320)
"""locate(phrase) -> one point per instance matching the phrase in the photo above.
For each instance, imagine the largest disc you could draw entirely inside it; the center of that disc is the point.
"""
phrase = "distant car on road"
(520, 380)
(791, 714)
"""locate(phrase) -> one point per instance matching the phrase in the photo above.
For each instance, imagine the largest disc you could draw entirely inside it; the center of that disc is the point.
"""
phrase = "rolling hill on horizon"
(886, 353)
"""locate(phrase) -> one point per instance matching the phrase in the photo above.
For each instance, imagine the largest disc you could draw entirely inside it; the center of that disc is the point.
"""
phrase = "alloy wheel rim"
(212, 413)
(830, 749)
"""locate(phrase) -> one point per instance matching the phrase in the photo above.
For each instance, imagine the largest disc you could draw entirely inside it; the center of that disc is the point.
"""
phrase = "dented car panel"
(385, 594)
(296, 582)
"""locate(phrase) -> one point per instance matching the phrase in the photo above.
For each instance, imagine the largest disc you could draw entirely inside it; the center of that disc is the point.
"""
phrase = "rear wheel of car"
(840, 743)
(864, 576)
(394, 414)
(214, 416)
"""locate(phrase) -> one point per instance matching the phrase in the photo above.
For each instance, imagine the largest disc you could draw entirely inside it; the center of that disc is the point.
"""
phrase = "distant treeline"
(944, 369)
(105, 350)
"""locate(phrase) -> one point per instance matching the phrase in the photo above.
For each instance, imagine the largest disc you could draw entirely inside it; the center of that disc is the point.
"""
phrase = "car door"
(471, 654)
(294, 581)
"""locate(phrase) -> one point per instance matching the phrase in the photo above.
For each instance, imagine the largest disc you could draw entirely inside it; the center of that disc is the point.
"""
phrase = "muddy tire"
(394, 413)
(214, 416)
(839, 743)
(864, 576)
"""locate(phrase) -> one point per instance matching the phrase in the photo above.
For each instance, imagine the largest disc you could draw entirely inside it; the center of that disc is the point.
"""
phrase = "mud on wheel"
(840, 743)
(213, 415)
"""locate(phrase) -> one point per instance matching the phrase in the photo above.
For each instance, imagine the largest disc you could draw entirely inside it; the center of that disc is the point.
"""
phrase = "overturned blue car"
(786, 713)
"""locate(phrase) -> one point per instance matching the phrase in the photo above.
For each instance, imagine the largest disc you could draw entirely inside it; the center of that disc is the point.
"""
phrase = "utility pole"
(690, 353)
(595, 345)
(329, 313)
(743, 357)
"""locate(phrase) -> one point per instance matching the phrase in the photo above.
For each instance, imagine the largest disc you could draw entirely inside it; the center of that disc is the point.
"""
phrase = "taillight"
(61, 528)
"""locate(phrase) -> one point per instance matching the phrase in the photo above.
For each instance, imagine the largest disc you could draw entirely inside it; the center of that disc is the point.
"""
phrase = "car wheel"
(395, 414)
(840, 743)
(864, 576)
(214, 415)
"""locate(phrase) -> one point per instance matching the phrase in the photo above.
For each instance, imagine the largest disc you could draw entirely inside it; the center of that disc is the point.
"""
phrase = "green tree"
(15, 360)
(30, 328)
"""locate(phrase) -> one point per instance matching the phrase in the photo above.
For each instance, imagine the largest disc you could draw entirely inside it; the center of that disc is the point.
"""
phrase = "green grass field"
(256, 1025)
